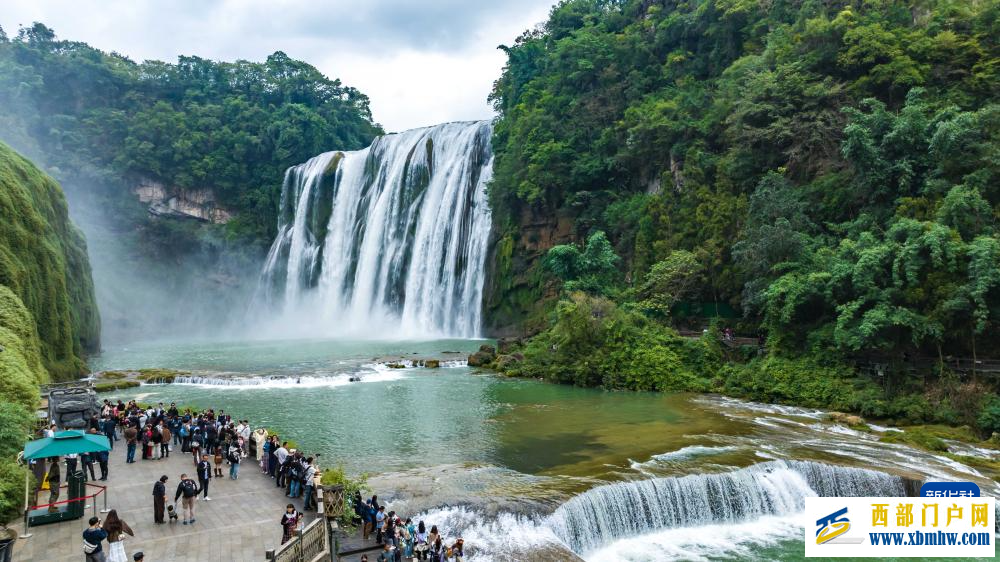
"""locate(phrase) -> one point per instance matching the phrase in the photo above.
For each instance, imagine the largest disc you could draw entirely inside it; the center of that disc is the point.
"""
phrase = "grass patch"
(160, 375)
(111, 386)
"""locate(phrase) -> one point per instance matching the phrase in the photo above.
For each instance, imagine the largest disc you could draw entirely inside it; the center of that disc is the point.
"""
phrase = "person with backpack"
(205, 475)
(92, 538)
(189, 490)
(234, 461)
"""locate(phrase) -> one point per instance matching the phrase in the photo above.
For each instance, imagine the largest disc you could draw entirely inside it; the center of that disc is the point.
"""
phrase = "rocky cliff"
(174, 202)
(514, 284)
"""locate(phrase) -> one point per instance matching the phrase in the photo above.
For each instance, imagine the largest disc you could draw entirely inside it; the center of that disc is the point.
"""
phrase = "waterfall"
(615, 511)
(388, 241)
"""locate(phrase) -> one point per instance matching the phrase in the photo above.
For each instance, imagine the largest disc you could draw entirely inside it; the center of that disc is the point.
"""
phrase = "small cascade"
(388, 241)
(615, 511)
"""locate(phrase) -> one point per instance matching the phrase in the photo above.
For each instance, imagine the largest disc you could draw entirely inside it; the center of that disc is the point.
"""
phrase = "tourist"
(164, 441)
(386, 554)
(289, 521)
(88, 463)
(53, 478)
(92, 538)
(131, 435)
(280, 455)
(368, 519)
(138, 556)
(458, 550)
(196, 445)
(408, 538)
(218, 462)
(157, 441)
(379, 524)
(433, 536)
(102, 461)
(185, 433)
(437, 550)
(234, 461)
(108, 427)
(308, 482)
(189, 490)
(147, 441)
(245, 436)
(204, 475)
(116, 529)
(71, 460)
(51, 431)
(421, 547)
(159, 498)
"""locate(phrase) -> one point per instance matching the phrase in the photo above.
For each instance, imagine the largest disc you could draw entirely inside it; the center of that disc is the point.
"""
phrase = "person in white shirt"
(51, 431)
(245, 434)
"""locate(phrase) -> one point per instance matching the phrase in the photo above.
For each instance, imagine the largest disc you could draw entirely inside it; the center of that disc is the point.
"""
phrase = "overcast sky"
(421, 63)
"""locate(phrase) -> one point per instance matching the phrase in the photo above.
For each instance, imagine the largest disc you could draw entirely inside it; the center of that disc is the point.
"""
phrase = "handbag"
(89, 547)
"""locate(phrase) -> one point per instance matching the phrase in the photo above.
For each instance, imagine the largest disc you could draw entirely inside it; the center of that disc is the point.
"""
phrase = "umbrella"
(66, 443)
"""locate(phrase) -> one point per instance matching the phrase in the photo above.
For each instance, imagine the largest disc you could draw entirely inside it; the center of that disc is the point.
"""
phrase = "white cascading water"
(388, 241)
(615, 512)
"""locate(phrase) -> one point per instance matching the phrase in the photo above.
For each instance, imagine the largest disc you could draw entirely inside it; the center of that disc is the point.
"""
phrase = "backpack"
(189, 489)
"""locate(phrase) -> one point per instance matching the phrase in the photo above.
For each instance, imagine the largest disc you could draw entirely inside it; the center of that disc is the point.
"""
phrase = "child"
(171, 513)
(218, 461)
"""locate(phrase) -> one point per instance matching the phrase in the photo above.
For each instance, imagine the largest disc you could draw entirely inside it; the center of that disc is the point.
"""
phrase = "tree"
(594, 270)
(669, 281)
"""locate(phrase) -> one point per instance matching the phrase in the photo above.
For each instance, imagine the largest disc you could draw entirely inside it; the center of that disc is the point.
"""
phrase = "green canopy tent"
(66, 443)
(59, 445)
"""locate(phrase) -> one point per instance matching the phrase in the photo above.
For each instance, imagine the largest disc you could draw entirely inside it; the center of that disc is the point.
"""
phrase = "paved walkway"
(240, 523)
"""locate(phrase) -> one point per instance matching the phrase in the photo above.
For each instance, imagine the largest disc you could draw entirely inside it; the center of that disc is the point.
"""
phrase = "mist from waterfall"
(385, 242)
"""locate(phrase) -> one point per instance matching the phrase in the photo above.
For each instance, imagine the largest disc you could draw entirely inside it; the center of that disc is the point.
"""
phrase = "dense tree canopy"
(830, 169)
(234, 127)
(783, 145)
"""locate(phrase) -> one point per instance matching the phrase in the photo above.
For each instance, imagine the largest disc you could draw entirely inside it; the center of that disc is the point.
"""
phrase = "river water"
(529, 470)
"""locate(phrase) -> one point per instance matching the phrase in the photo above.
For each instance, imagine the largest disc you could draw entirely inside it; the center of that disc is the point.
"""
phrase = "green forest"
(828, 170)
(102, 121)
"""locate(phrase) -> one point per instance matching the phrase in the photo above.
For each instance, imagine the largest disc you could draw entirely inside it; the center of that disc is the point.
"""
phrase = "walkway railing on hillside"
(308, 545)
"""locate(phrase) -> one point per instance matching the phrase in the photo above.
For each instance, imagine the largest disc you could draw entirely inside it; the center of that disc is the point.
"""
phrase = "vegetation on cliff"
(101, 120)
(829, 170)
(48, 317)
(43, 262)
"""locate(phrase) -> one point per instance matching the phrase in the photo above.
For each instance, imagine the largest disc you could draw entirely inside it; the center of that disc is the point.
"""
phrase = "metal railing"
(308, 545)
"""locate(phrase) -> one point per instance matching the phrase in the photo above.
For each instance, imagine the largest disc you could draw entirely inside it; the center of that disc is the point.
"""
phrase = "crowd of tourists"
(403, 539)
(215, 441)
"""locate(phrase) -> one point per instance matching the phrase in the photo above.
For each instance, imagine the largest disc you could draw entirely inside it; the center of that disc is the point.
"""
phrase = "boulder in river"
(431, 363)
(484, 357)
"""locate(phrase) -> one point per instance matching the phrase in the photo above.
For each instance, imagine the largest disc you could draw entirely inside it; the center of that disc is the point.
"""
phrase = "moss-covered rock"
(115, 385)
(43, 260)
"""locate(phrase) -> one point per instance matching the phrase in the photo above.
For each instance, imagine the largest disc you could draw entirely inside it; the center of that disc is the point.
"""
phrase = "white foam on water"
(372, 373)
(707, 542)
(681, 455)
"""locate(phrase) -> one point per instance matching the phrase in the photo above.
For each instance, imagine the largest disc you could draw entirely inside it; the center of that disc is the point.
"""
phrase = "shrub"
(989, 417)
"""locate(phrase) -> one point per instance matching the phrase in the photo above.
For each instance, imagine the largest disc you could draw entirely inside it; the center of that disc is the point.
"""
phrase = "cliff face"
(45, 269)
(167, 201)
(516, 293)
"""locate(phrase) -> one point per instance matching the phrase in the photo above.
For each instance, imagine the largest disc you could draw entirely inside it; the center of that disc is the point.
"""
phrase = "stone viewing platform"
(241, 522)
